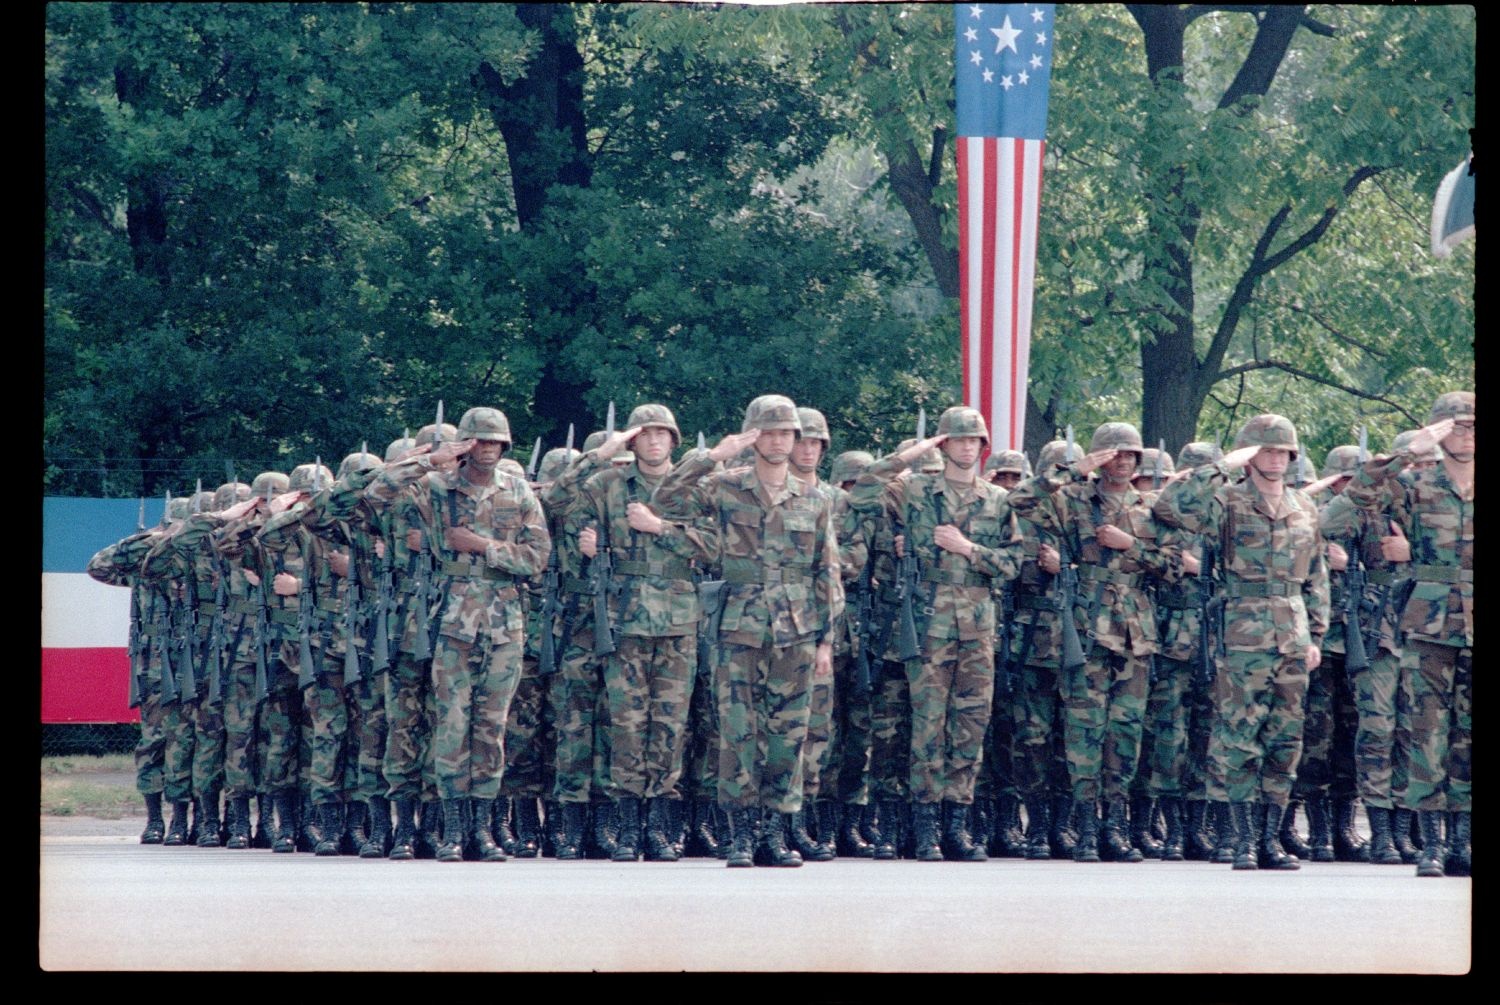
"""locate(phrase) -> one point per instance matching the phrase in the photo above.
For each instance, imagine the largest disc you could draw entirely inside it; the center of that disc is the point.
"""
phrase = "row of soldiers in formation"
(618, 656)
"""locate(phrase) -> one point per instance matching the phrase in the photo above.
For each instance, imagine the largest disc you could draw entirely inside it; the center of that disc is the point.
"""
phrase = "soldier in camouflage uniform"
(653, 606)
(492, 531)
(1109, 532)
(778, 553)
(1275, 586)
(1431, 517)
(959, 528)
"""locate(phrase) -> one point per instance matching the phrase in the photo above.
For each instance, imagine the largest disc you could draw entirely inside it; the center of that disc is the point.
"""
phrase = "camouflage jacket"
(854, 551)
(959, 601)
(197, 548)
(119, 564)
(1271, 564)
(778, 554)
(653, 593)
(288, 546)
(348, 520)
(1438, 519)
(1113, 604)
(479, 593)
(1179, 615)
(1359, 533)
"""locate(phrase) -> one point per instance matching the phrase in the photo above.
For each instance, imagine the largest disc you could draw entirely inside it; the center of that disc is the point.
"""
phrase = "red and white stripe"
(999, 192)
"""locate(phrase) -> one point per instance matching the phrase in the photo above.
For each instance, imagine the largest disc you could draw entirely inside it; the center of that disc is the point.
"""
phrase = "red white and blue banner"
(85, 624)
(1003, 68)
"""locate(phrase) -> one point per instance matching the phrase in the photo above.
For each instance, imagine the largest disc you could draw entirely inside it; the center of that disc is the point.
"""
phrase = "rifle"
(352, 672)
(601, 573)
(864, 612)
(185, 634)
(380, 617)
(711, 596)
(1209, 607)
(133, 647)
(1005, 678)
(536, 455)
(908, 575)
(216, 635)
(1072, 649)
(423, 572)
(161, 629)
(262, 634)
(551, 607)
(306, 673)
(1161, 448)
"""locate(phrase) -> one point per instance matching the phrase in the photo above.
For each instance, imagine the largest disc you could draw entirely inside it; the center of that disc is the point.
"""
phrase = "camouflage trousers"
(648, 684)
(177, 761)
(472, 686)
(818, 744)
(528, 736)
(1330, 722)
(369, 758)
(208, 744)
(763, 695)
(1164, 739)
(890, 731)
(150, 751)
(700, 762)
(577, 694)
(852, 733)
(1257, 737)
(1381, 745)
(952, 692)
(325, 727)
(409, 712)
(239, 729)
(1200, 726)
(1035, 735)
(1442, 722)
(1104, 710)
(996, 776)
(278, 724)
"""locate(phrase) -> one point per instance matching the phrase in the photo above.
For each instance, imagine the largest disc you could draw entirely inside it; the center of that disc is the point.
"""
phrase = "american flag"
(1004, 65)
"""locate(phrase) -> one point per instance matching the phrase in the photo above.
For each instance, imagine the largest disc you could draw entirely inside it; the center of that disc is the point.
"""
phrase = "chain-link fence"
(96, 738)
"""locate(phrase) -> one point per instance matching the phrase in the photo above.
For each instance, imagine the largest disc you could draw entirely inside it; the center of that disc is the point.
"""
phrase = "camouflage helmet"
(1008, 460)
(1452, 405)
(484, 424)
(1341, 460)
(303, 476)
(593, 440)
(655, 415)
(201, 502)
(930, 463)
(814, 425)
(270, 482)
(555, 462)
(1403, 440)
(425, 434)
(1117, 436)
(771, 411)
(511, 466)
(359, 461)
(179, 509)
(1199, 453)
(229, 493)
(399, 447)
(1056, 452)
(963, 421)
(1269, 430)
(848, 465)
(1147, 467)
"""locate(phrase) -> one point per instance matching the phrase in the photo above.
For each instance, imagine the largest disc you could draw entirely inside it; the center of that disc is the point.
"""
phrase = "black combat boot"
(1402, 822)
(1431, 862)
(529, 826)
(1382, 845)
(403, 842)
(659, 846)
(177, 830)
(605, 829)
(356, 829)
(674, 817)
(924, 825)
(774, 850)
(452, 847)
(1142, 814)
(329, 829)
(702, 840)
(801, 840)
(880, 829)
(1038, 825)
(1086, 848)
(192, 832)
(1224, 837)
(851, 842)
(570, 834)
(958, 844)
(486, 849)
(1272, 854)
(1010, 840)
(552, 827)
(741, 837)
(1348, 845)
(1319, 829)
(239, 823)
(286, 821)
(429, 828)
(1291, 841)
(1117, 846)
(308, 836)
(628, 843)
(500, 823)
(378, 809)
(1200, 833)
(208, 820)
(1460, 858)
(1242, 824)
(265, 821)
(824, 825)
(1064, 835)
(1174, 848)
(155, 829)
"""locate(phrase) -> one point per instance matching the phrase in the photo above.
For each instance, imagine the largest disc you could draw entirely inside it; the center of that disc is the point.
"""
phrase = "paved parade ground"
(107, 902)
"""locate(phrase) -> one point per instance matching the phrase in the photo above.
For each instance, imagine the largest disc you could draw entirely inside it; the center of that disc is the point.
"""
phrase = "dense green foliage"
(275, 230)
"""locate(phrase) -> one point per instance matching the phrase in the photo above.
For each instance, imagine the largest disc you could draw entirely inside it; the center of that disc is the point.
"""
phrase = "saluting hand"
(1095, 460)
(616, 442)
(730, 446)
(1429, 436)
(1239, 458)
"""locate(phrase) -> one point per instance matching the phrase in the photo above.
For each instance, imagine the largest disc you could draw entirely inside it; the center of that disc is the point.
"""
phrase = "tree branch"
(1272, 39)
(935, 160)
(1316, 231)
(1284, 367)
(1324, 324)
